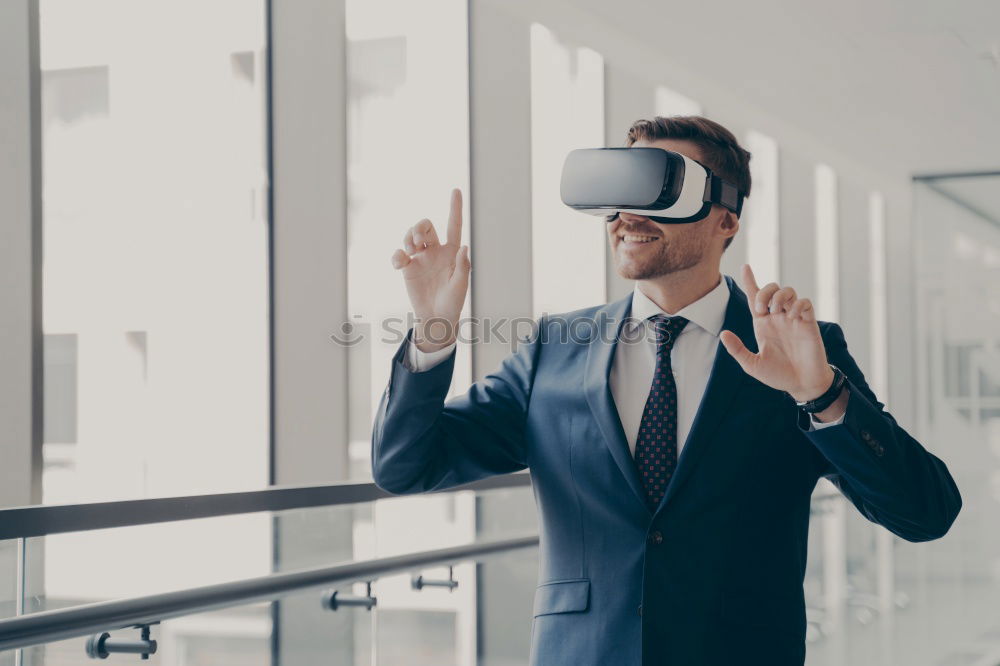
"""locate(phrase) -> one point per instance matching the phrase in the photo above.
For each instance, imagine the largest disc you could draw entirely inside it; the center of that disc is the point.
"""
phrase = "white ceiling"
(916, 80)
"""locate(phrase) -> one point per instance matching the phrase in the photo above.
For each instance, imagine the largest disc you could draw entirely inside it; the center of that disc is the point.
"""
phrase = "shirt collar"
(708, 312)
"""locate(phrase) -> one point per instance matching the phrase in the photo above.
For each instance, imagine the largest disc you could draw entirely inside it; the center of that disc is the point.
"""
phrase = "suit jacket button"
(656, 537)
(865, 435)
(640, 610)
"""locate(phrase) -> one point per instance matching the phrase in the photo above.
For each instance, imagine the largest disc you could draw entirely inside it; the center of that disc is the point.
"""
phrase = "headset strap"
(723, 193)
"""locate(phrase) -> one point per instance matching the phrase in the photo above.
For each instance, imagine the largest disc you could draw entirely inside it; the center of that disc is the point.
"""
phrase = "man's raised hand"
(791, 356)
(436, 276)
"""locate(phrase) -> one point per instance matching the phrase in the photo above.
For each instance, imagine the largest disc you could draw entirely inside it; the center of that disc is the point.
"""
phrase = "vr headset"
(664, 186)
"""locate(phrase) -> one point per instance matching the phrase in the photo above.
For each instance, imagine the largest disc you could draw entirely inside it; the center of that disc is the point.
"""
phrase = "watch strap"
(829, 396)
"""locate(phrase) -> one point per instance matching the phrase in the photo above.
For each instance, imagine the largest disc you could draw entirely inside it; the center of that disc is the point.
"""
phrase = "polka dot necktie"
(656, 444)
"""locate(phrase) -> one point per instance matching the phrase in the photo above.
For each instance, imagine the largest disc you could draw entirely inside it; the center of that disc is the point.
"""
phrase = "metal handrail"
(41, 520)
(951, 175)
(55, 625)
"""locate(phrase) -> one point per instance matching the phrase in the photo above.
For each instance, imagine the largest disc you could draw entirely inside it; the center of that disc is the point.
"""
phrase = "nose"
(633, 219)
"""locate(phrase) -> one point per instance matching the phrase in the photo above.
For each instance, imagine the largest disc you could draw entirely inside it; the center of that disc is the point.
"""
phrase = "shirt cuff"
(421, 361)
(819, 425)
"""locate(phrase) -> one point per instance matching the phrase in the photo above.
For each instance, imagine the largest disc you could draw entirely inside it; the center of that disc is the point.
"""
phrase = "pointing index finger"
(455, 218)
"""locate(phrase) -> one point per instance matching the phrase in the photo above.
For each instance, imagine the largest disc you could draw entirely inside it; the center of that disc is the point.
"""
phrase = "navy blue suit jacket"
(715, 574)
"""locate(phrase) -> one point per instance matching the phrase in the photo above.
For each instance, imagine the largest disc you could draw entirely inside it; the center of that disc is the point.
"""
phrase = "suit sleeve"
(887, 474)
(422, 443)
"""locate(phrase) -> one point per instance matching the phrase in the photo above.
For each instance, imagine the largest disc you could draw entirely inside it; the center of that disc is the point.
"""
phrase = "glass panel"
(8, 577)
(85, 567)
(506, 585)
(760, 214)
(155, 250)
(239, 636)
(935, 602)
(567, 112)
(407, 124)
(426, 631)
(878, 377)
(827, 296)
(954, 583)
(813, 584)
(149, 559)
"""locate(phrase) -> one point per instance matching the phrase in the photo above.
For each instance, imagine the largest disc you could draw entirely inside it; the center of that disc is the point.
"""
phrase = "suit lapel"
(600, 354)
(724, 382)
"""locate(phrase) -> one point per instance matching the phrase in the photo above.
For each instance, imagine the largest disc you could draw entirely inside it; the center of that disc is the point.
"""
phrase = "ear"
(729, 222)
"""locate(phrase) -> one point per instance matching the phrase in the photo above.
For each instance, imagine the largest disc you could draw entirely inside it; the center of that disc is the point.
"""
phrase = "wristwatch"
(829, 397)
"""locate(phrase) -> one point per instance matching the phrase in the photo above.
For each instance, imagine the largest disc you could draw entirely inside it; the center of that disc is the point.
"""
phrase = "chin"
(641, 264)
(635, 271)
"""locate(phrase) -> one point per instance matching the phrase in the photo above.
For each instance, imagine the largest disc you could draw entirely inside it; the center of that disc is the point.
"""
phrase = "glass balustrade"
(439, 617)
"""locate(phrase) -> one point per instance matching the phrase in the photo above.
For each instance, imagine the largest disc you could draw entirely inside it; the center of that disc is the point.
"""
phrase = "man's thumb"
(737, 349)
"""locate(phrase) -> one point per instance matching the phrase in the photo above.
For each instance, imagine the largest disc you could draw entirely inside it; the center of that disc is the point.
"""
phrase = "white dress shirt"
(691, 359)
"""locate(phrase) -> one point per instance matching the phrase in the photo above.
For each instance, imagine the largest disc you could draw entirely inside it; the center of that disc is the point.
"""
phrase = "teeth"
(633, 238)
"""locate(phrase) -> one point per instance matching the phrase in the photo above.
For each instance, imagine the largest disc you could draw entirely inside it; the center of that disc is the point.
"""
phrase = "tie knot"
(667, 329)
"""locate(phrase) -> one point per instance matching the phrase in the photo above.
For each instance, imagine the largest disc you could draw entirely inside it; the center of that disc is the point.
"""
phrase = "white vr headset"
(667, 187)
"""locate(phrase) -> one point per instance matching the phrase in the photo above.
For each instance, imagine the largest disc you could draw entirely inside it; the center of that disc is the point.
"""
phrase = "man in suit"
(671, 464)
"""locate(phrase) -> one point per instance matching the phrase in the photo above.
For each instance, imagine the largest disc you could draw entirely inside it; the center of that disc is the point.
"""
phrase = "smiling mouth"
(637, 238)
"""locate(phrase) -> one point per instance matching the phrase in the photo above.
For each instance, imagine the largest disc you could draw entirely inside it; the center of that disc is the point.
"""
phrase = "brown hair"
(721, 151)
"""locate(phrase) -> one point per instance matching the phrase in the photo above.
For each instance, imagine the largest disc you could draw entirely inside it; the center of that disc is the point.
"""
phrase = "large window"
(879, 296)
(408, 146)
(155, 283)
(155, 248)
(827, 299)
(760, 214)
(567, 112)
